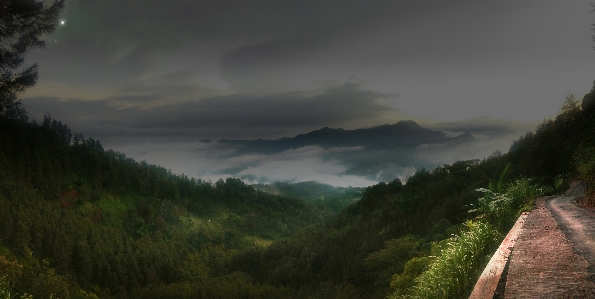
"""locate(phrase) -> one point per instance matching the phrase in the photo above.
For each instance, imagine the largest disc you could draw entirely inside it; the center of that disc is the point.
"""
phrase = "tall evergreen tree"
(22, 22)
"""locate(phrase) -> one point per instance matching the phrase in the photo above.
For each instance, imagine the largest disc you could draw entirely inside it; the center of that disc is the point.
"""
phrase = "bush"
(561, 184)
(585, 163)
(502, 210)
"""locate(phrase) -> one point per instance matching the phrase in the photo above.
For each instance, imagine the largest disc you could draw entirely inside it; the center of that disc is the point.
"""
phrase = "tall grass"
(453, 272)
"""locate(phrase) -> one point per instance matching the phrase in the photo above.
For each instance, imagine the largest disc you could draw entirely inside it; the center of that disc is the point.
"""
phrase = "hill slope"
(76, 218)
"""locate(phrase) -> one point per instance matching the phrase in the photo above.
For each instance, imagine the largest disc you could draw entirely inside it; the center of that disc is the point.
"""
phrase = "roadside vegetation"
(460, 259)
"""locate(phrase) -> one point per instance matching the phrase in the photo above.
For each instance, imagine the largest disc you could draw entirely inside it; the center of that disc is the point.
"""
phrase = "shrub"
(501, 210)
(585, 163)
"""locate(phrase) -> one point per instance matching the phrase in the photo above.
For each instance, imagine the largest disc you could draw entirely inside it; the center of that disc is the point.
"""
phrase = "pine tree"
(21, 24)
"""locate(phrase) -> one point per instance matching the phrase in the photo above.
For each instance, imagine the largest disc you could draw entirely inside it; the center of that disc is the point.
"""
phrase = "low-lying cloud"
(491, 134)
(214, 161)
(169, 135)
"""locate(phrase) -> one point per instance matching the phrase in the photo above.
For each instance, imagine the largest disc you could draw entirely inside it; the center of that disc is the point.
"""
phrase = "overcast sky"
(180, 71)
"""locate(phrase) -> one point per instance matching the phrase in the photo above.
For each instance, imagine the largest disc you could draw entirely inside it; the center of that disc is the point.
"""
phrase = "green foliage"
(588, 103)
(501, 210)
(490, 205)
(453, 272)
(502, 178)
(400, 283)
(88, 221)
(522, 195)
(322, 195)
(391, 259)
(10, 273)
(372, 239)
(234, 285)
(585, 160)
(561, 183)
(545, 154)
(81, 294)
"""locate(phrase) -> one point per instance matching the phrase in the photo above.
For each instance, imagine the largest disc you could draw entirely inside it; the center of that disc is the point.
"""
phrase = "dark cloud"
(174, 71)
(118, 41)
(164, 22)
(294, 111)
(443, 56)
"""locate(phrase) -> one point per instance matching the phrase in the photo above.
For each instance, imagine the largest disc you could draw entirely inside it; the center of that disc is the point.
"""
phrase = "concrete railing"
(488, 281)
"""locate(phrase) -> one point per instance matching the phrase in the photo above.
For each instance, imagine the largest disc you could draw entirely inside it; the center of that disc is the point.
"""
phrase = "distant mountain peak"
(408, 122)
(401, 135)
(463, 138)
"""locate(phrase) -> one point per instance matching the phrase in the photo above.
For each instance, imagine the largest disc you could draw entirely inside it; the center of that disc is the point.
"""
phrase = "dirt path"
(577, 223)
(544, 264)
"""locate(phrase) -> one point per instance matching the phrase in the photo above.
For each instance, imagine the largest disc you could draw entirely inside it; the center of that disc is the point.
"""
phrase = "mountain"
(380, 153)
(405, 134)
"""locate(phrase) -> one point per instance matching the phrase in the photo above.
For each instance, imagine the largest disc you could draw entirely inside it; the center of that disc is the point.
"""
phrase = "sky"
(151, 78)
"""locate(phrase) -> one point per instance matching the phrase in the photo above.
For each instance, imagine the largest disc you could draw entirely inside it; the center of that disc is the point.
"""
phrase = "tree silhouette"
(593, 5)
(22, 22)
(588, 104)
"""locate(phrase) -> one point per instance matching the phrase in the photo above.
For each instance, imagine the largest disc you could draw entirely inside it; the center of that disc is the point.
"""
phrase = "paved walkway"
(544, 263)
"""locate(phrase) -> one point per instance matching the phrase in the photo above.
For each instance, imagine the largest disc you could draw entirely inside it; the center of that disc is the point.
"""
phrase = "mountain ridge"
(403, 134)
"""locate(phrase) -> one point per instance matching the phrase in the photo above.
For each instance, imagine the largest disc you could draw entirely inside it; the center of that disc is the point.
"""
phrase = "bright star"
(62, 22)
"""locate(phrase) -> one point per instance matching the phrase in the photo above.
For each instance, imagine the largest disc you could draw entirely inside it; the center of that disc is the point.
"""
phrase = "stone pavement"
(543, 264)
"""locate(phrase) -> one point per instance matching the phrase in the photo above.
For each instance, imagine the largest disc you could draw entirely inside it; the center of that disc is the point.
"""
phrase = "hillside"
(323, 195)
(381, 244)
(77, 218)
(79, 221)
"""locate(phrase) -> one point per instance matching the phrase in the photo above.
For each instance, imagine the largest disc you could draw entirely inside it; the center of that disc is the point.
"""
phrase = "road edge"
(486, 285)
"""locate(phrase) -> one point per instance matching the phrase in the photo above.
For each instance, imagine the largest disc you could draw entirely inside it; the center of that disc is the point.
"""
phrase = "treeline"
(79, 220)
(559, 146)
(322, 195)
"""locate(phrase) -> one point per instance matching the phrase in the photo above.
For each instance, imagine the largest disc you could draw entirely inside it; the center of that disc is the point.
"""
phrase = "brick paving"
(543, 264)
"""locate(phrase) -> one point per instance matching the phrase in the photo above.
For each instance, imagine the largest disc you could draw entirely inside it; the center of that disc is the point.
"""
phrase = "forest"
(79, 221)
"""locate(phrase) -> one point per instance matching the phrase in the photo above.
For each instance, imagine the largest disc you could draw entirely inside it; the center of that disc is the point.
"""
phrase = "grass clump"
(453, 271)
